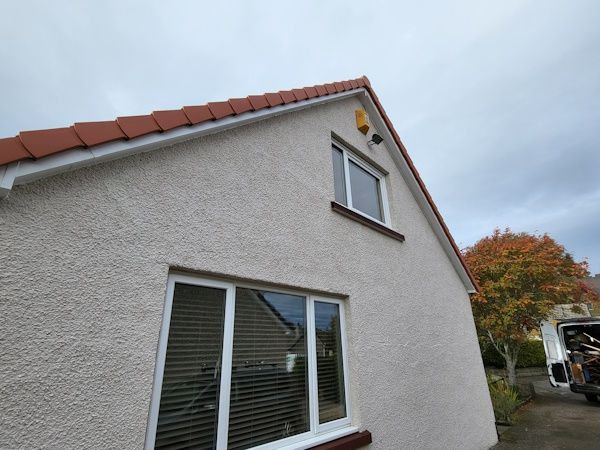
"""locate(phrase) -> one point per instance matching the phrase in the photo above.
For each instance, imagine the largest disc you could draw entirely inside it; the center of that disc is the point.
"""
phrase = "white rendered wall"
(84, 258)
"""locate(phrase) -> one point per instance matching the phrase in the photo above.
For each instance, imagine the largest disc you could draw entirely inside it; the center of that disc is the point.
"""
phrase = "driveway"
(556, 419)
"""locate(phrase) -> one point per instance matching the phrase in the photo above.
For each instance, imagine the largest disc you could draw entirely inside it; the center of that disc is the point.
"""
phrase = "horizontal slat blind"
(269, 393)
(330, 368)
(192, 375)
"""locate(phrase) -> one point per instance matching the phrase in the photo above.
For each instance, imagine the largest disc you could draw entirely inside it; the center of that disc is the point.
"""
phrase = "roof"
(40, 144)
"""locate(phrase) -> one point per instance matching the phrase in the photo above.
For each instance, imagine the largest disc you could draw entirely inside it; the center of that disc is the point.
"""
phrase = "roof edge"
(421, 184)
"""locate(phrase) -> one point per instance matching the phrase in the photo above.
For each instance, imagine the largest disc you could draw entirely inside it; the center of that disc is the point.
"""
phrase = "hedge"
(531, 355)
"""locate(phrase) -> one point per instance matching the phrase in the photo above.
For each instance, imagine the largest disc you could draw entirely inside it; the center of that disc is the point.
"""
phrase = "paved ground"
(556, 419)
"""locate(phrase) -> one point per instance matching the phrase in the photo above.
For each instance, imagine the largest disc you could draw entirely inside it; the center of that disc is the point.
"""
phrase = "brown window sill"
(345, 211)
(350, 442)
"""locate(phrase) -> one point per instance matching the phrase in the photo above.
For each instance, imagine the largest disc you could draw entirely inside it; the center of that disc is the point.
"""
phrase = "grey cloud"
(497, 102)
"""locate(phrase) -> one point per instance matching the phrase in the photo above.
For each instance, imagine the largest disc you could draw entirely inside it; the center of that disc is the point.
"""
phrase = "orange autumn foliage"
(521, 276)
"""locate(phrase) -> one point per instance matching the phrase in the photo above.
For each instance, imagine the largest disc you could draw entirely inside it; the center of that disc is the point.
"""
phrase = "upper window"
(358, 185)
(240, 367)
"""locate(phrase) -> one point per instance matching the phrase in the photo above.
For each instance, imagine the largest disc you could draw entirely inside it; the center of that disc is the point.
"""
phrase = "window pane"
(330, 363)
(269, 392)
(365, 191)
(339, 182)
(190, 390)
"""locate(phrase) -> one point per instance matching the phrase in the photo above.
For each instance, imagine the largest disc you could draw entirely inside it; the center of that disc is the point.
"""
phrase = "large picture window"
(358, 185)
(242, 367)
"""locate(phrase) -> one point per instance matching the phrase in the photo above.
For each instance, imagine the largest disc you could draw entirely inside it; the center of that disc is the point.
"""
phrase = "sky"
(498, 103)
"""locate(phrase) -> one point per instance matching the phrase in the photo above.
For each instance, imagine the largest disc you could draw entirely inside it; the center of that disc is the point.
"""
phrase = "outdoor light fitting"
(375, 139)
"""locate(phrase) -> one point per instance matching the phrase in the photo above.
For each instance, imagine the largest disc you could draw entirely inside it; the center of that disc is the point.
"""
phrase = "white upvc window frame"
(318, 433)
(347, 156)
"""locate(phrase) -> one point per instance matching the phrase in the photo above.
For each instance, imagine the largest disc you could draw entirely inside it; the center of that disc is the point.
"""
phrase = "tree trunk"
(511, 368)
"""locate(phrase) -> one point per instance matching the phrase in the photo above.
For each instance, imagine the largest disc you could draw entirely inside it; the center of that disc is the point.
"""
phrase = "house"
(264, 272)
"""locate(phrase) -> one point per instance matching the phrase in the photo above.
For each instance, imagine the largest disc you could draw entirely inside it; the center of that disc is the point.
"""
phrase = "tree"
(521, 277)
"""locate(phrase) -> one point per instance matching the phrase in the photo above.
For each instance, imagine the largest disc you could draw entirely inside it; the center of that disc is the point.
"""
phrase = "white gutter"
(28, 170)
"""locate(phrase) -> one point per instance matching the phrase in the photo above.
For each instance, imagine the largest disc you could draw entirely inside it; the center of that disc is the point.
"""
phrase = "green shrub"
(531, 355)
(505, 400)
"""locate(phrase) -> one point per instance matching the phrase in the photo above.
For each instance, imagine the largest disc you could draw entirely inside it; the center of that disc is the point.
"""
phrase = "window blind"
(269, 393)
(192, 373)
(330, 365)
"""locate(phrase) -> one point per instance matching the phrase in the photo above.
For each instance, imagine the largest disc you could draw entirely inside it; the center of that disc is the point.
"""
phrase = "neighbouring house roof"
(570, 311)
(36, 153)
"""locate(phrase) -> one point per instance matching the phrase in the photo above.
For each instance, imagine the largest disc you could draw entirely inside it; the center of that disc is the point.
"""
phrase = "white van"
(573, 354)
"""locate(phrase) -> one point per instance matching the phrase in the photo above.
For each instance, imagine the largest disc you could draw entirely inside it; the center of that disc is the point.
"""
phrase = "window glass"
(330, 364)
(338, 176)
(192, 373)
(365, 191)
(269, 382)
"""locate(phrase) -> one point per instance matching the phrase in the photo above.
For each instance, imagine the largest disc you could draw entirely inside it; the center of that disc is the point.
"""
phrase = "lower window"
(241, 367)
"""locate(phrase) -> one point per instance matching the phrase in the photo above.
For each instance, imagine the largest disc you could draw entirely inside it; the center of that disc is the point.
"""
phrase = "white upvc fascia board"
(8, 172)
(29, 170)
(416, 190)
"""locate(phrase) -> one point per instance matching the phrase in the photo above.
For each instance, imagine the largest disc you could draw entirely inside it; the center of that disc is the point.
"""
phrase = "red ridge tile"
(198, 114)
(299, 94)
(366, 80)
(240, 105)
(258, 102)
(134, 126)
(321, 90)
(347, 85)
(361, 82)
(330, 88)
(11, 150)
(220, 109)
(96, 133)
(287, 96)
(354, 84)
(339, 86)
(274, 99)
(42, 143)
(169, 119)
(311, 92)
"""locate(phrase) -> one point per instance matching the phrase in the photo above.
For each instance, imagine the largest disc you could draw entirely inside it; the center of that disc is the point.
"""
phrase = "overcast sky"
(497, 102)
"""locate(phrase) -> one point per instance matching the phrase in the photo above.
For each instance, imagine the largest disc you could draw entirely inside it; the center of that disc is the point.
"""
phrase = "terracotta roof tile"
(258, 102)
(173, 118)
(11, 150)
(42, 143)
(287, 96)
(96, 133)
(134, 126)
(220, 109)
(240, 105)
(299, 94)
(198, 114)
(311, 92)
(321, 90)
(274, 99)
(330, 88)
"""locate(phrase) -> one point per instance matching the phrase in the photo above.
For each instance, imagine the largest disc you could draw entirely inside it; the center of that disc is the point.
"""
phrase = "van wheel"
(591, 397)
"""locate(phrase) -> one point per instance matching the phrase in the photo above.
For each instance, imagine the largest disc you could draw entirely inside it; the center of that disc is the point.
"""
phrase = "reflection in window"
(330, 365)
(269, 382)
(191, 380)
(365, 191)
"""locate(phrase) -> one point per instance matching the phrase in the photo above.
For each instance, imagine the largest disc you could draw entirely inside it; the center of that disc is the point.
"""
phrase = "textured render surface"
(85, 257)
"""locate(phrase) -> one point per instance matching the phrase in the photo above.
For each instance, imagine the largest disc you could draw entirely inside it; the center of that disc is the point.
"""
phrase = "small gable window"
(358, 185)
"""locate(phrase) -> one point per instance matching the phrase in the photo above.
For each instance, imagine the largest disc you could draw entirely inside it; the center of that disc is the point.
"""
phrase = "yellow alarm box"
(362, 121)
